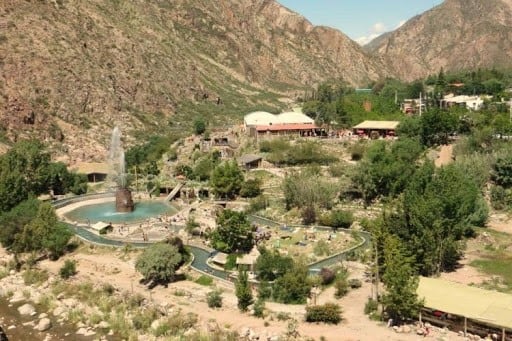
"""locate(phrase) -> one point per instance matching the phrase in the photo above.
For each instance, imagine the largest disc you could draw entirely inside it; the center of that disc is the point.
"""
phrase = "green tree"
(23, 171)
(44, 233)
(233, 232)
(251, 188)
(436, 126)
(199, 126)
(226, 180)
(271, 265)
(13, 222)
(400, 300)
(243, 291)
(294, 286)
(502, 171)
(158, 263)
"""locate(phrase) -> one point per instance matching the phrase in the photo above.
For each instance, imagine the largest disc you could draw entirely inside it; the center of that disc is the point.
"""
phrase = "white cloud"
(400, 24)
(376, 30)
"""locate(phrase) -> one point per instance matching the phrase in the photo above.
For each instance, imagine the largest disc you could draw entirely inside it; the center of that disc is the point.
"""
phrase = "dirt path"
(445, 156)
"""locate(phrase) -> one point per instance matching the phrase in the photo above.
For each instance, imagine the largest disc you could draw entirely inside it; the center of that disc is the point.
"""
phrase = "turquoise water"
(106, 212)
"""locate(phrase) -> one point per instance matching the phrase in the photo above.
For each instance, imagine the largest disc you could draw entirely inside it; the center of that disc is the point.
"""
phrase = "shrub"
(308, 214)
(251, 188)
(199, 126)
(257, 204)
(342, 219)
(68, 269)
(282, 316)
(204, 280)
(355, 283)
(357, 151)
(327, 313)
(341, 283)
(321, 248)
(214, 299)
(143, 319)
(327, 276)
(370, 306)
(259, 308)
(33, 276)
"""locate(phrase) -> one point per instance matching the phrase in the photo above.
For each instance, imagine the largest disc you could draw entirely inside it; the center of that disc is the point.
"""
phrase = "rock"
(12, 273)
(44, 324)
(81, 325)
(245, 331)
(396, 329)
(420, 331)
(59, 311)
(155, 324)
(253, 335)
(104, 325)
(17, 297)
(190, 332)
(43, 315)
(27, 309)
(85, 332)
(70, 302)
(12, 326)
(406, 329)
(212, 327)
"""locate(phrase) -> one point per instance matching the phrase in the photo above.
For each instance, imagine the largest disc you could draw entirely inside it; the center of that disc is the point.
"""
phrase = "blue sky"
(361, 20)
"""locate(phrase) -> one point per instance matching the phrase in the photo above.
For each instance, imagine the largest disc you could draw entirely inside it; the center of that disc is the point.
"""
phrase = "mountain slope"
(458, 34)
(70, 67)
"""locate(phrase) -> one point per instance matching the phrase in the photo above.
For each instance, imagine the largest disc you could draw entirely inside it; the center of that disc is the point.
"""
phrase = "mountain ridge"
(455, 35)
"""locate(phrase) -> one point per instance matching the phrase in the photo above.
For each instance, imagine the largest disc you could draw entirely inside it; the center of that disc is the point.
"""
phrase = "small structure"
(474, 103)
(250, 161)
(263, 124)
(412, 106)
(376, 128)
(247, 262)
(101, 227)
(220, 259)
(465, 308)
(95, 171)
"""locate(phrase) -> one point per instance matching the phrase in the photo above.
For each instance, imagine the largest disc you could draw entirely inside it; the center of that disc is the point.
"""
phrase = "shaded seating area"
(375, 129)
(466, 309)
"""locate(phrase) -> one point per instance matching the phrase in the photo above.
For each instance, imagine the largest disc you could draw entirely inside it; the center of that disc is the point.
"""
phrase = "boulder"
(27, 309)
(44, 324)
(17, 297)
(59, 311)
(104, 325)
(406, 329)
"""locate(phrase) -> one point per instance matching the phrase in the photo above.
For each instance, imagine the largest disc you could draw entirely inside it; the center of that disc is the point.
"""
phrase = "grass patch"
(34, 276)
(500, 266)
(204, 280)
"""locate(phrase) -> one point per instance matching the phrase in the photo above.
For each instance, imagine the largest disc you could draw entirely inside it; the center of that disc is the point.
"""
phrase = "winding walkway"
(201, 253)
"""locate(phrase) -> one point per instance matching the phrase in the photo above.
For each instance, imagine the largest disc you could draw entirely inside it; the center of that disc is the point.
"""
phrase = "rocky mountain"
(71, 70)
(458, 34)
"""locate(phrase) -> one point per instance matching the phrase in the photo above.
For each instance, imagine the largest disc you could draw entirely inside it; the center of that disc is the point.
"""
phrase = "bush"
(251, 188)
(257, 204)
(355, 283)
(341, 284)
(357, 151)
(327, 276)
(199, 126)
(327, 313)
(214, 299)
(308, 214)
(498, 197)
(68, 269)
(143, 319)
(204, 280)
(259, 308)
(370, 306)
(32, 276)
